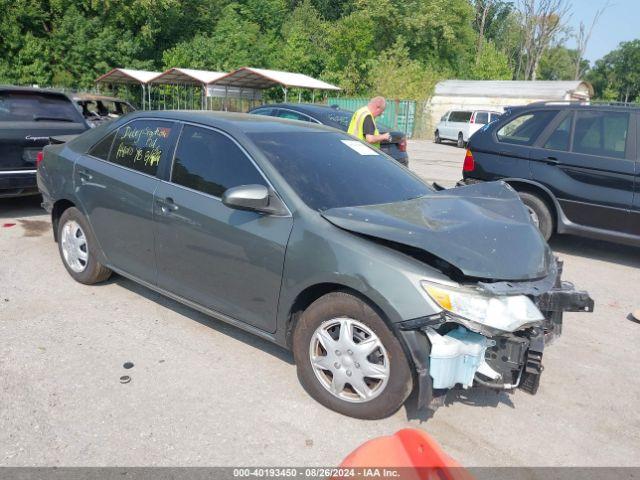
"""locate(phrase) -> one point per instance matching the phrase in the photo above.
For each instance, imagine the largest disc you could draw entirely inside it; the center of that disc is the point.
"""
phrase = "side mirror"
(256, 198)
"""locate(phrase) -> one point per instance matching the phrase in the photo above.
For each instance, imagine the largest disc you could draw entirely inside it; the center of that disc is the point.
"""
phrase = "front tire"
(539, 212)
(78, 248)
(349, 360)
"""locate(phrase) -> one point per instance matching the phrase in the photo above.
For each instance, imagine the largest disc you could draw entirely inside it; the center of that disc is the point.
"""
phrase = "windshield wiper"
(38, 118)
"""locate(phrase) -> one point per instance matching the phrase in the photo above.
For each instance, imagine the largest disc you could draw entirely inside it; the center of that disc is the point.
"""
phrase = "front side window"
(525, 128)
(329, 170)
(559, 139)
(601, 133)
(210, 162)
(139, 145)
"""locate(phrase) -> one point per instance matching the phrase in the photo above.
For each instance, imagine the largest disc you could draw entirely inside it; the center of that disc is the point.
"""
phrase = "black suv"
(575, 166)
(28, 117)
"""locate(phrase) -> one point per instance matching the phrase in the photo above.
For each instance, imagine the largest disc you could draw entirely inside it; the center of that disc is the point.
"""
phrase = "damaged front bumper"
(446, 354)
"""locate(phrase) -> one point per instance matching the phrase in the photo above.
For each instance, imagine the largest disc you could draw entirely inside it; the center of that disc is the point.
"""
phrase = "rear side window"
(482, 118)
(292, 115)
(525, 129)
(601, 133)
(139, 145)
(210, 162)
(37, 107)
(103, 147)
(461, 117)
(263, 111)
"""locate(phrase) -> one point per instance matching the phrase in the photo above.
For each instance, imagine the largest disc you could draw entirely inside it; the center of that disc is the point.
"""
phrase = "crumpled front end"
(501, 348)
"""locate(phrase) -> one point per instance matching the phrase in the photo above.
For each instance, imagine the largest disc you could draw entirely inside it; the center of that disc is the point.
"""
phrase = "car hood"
(483, 229)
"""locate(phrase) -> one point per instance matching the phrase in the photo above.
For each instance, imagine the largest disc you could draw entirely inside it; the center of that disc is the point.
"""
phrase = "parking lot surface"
(207, 394)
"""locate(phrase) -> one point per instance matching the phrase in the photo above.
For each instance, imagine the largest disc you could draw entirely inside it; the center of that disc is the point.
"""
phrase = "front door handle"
(551, 161)
(167, 205)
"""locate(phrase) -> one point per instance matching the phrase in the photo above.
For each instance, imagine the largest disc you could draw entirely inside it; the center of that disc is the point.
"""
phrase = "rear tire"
(437, 138)
(540, 213)
(327, 379)
(78, 248)
(460, 142)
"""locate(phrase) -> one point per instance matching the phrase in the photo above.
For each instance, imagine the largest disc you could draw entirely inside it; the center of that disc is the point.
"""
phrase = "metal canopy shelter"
(129, 76)
(260, 78)
(188, 76)
(183, 78)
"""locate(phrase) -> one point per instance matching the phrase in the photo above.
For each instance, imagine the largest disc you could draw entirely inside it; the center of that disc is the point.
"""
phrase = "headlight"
(506, 313)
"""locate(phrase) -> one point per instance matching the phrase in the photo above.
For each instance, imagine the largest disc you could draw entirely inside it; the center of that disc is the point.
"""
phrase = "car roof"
(309, 108)
(239, 122)
(564, 105)
(12, 88)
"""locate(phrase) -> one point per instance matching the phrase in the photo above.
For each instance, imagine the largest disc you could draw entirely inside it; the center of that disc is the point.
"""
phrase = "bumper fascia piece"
(516, 356)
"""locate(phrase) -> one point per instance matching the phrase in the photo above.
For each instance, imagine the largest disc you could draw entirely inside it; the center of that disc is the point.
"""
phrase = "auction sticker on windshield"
(361, 148)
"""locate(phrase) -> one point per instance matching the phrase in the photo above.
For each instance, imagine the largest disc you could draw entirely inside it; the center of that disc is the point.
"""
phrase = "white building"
(497, 94)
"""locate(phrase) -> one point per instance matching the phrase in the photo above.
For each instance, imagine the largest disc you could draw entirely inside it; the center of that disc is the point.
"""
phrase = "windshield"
(329, 170)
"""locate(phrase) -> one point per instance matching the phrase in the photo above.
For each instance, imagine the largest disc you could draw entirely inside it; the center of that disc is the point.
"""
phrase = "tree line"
(398, 48)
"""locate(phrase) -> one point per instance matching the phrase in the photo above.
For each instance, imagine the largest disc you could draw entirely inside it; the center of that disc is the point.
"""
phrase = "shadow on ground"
(218, 325)
(21, 207)
(596, 250)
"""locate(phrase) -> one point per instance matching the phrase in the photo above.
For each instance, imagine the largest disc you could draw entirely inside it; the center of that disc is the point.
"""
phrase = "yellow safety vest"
(356, 126)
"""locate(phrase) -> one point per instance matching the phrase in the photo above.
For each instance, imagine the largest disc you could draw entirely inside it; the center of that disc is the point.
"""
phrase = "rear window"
(525, 128)
(329, 170)
(335, 118)
(37, 106)
(461, 117)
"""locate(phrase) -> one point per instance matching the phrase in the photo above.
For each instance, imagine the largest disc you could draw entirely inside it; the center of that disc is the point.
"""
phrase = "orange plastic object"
(409, 454)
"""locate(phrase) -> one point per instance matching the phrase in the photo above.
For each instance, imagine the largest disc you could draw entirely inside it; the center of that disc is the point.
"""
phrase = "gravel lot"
(204, 393)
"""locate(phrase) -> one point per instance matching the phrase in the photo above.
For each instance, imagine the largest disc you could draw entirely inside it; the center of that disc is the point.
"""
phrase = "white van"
(459, 125)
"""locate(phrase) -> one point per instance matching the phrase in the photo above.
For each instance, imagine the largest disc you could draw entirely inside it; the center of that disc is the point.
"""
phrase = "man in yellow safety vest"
(363, 123)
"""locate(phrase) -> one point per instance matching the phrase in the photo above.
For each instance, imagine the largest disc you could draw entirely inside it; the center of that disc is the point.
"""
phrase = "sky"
(619, 23)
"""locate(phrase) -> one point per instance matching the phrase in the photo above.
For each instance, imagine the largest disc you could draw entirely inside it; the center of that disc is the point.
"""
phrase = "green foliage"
(395, 75)
(617, 75)
(399, 48)
(492, 64)
(559, 63)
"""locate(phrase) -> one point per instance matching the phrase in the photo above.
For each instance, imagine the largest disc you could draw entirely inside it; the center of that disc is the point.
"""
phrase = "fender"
(562, 222)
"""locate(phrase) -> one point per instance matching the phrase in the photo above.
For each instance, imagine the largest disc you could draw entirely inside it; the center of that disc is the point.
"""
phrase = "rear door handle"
(84, 176)
(551, 160)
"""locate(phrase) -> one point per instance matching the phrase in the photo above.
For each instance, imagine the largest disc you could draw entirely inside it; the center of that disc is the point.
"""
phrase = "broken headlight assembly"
(483, 313)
